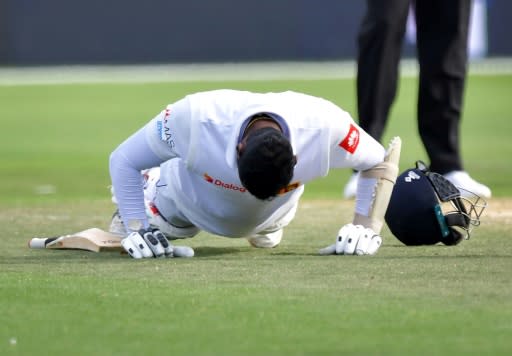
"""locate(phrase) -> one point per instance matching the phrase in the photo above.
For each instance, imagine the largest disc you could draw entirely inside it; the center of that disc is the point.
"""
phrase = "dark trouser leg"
(442, 31)
(379, 48)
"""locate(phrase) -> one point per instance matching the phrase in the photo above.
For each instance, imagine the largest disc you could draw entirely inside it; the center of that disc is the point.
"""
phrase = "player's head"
(425, 208)
(266, 162)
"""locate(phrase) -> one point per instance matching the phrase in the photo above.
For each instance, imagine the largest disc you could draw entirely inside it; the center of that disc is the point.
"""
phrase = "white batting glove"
(147, 244)
(354, 240)
(152, 243)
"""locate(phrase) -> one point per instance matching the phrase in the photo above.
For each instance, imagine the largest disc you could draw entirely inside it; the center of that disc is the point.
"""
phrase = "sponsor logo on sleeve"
(163, 129)
(159, 128)
(351, 141)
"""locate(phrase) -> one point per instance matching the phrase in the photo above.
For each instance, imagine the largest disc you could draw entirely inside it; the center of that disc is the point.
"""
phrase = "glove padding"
(354, 240)
(152, 243)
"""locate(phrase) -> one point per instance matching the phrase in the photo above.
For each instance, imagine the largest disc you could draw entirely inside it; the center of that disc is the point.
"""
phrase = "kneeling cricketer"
(235, 163)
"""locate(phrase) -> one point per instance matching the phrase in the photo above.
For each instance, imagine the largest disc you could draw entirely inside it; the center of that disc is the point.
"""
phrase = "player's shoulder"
(295, 95)
(246, 93)
(220, 93)
(278, 100)
(306, 99)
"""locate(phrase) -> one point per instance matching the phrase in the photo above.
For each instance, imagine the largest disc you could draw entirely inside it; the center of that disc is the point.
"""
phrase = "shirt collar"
(280, 121)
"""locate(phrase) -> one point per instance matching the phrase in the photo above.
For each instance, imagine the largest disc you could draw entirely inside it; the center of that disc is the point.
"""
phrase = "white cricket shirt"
(195, 139)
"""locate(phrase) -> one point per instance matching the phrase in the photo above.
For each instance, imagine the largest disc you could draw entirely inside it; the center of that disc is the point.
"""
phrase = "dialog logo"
(351, 141)
(224, 185)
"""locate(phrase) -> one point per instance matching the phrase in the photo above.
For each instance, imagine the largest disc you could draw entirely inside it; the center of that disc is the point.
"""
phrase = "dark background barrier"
(34, 32)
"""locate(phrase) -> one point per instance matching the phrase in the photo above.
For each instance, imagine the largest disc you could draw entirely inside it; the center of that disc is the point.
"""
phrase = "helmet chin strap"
(457, 219)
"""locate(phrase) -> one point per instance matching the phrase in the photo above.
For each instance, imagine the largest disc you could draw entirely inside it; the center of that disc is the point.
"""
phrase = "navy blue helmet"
(425, 208)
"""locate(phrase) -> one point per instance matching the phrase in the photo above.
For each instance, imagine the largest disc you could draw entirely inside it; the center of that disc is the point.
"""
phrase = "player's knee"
(269, 240)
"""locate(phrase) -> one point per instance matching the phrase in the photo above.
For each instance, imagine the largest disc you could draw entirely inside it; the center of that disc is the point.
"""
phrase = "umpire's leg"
(379, 48)
(442, 31)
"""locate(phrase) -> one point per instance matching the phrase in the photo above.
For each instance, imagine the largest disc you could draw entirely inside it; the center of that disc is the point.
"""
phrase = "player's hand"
(147, 244)
(354, 240)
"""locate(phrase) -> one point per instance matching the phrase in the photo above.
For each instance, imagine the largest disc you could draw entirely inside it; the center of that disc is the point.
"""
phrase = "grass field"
(232, 299)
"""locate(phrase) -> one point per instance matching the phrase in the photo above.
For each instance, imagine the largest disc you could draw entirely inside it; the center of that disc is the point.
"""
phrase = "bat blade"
(93, 239)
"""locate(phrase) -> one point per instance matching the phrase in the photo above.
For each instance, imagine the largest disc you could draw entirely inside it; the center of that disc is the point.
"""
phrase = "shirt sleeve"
(350, 146)
(164, 137)
(168, 134)
(126, 163)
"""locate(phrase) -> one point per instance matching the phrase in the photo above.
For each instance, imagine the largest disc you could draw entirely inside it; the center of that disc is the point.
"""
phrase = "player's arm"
(125, 165)
(163, 138)
(374, 189)
(352, 147)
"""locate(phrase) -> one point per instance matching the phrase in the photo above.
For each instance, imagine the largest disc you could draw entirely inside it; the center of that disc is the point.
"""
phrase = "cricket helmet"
(425, 208)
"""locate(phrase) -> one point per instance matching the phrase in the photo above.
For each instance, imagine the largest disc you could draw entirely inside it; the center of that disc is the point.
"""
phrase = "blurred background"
(119, 62)
(56, 32)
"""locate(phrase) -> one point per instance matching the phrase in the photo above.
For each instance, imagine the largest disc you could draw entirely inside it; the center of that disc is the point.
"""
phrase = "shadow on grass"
(210, 251)
(46, 257)
(79, 256)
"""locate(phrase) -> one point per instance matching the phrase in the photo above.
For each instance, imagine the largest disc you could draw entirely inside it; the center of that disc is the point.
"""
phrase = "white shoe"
(464, 182)
(351, 187)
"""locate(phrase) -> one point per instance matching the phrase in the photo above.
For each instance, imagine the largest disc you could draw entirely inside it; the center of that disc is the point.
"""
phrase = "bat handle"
(38, 242)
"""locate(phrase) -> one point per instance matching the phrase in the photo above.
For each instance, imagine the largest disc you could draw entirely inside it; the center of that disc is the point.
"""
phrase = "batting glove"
(354, 240)
(147, 244)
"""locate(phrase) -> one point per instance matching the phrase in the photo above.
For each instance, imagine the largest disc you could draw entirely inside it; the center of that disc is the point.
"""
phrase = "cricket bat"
(93, 239)
(385, 174)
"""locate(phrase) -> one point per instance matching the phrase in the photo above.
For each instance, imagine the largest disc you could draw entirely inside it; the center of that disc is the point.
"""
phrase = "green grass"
(232, 299)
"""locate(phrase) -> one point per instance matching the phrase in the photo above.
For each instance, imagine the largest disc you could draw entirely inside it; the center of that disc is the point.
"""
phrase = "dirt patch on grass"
(499, 209)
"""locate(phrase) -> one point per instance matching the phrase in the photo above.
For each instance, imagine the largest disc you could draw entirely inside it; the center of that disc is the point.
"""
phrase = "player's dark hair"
(266, 164)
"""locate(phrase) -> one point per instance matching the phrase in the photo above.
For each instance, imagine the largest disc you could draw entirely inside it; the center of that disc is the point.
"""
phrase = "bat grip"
(38, 242)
